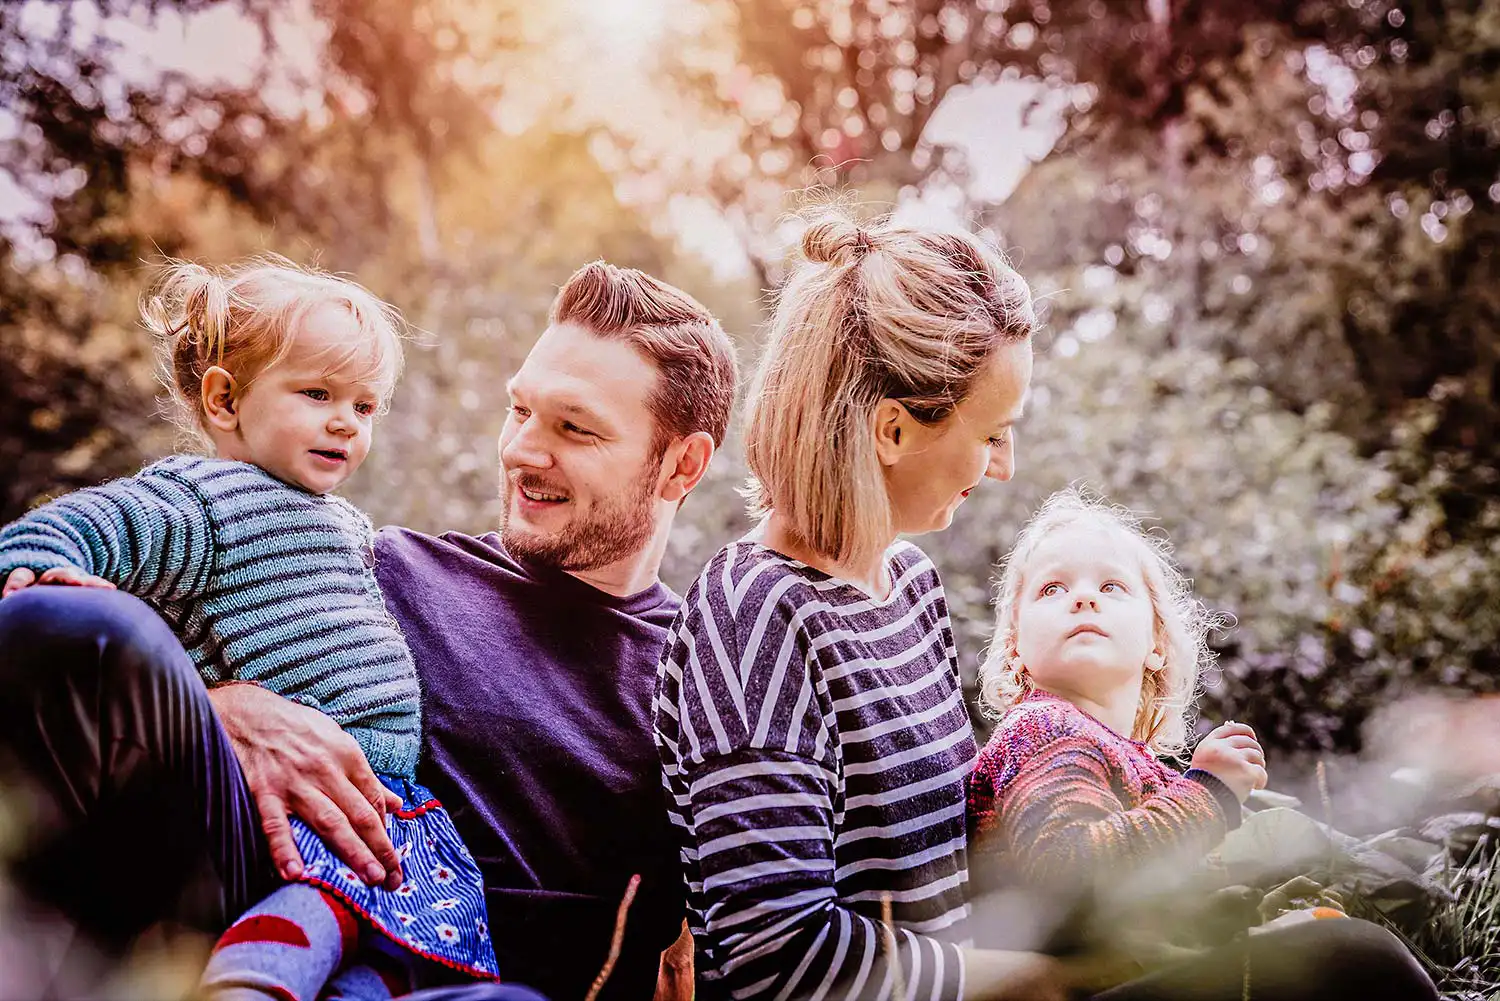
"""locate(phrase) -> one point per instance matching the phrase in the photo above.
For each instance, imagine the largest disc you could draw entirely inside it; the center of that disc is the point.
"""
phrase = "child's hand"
(1232, 755)
(22, 578)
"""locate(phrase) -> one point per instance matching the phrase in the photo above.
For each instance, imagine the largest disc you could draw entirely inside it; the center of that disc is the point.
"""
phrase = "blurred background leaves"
(1265, 230)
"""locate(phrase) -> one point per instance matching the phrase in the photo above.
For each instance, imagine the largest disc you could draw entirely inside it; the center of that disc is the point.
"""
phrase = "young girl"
(268, 579)
(1093, 667)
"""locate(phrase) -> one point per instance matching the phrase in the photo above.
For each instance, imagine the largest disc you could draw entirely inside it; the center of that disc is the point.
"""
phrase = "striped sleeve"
(149, 535)
(1059, 817)
(748, 718)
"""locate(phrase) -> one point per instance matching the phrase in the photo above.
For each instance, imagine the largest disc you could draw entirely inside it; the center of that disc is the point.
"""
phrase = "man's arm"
(674, 981)
(298, 762)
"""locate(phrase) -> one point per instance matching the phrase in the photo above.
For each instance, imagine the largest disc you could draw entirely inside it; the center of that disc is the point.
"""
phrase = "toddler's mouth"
(331, 454)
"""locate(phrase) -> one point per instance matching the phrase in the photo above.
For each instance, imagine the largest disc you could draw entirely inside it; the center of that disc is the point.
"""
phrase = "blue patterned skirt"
(438, 911)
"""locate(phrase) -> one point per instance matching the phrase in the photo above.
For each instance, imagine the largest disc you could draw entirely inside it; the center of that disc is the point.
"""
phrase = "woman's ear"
(892, 431)
(218, 391)
(1155, 661)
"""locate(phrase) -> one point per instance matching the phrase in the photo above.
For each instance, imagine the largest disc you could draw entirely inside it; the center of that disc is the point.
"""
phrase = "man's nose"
(524, 445)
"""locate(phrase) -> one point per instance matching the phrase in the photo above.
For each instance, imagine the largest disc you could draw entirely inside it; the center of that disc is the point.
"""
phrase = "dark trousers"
(1331, 960)
(131, 804)
(136, 809)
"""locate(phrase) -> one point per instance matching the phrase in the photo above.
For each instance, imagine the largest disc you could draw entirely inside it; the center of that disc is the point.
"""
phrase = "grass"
(1459, 941)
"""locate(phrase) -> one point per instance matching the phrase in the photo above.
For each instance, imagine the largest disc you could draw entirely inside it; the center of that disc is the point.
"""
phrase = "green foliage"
(1436, 885)
(1266, 238)
(1434, 882)
(390, 165)
(1288, 209)
(1459, 943)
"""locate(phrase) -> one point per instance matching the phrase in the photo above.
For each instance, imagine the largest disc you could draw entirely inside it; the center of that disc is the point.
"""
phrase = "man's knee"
(56, 631)
(1377, 956)
(1350, 958)
(477, 992)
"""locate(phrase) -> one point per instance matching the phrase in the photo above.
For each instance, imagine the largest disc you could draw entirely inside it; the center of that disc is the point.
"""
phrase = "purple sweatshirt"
(536, 701)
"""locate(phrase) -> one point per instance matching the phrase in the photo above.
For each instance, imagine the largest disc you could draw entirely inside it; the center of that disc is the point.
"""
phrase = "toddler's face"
(299, 421)
(1085, 623)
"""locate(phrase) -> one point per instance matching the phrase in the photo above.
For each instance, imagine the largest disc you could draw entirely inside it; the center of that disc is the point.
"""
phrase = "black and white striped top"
(814, 746)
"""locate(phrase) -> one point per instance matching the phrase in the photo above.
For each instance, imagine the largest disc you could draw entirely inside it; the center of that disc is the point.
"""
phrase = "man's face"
(581, 473)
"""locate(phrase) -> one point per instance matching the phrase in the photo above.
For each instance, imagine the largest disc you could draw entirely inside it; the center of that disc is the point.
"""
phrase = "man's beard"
(615, 528)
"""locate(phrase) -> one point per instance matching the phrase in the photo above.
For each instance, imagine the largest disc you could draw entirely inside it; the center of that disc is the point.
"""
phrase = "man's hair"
(693, 356)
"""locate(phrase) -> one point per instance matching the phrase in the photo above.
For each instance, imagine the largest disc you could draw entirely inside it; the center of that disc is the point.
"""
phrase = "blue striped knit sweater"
(261, 581)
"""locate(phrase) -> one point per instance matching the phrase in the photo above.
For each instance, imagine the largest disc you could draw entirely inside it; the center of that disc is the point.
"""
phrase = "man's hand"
(674, 978)
(993, 975)
(1232, 755)
(297, 761)
(21, 578)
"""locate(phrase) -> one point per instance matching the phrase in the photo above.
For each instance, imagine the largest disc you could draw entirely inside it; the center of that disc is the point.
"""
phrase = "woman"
(809, 715)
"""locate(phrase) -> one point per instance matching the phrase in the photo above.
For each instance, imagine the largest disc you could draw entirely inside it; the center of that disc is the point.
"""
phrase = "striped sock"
(285, 948)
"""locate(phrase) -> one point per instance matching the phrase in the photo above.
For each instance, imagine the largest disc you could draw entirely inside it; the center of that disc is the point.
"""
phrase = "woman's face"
(938, 465)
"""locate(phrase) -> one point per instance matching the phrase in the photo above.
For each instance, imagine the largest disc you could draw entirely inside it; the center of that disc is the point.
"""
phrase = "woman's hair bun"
(834, 239)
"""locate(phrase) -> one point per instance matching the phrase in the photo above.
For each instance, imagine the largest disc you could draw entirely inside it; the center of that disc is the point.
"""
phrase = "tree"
(90, 149)
(1307, 187)
(1372, 111)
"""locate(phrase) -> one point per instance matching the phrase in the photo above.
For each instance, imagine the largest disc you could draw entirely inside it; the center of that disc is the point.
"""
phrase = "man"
(537, 652)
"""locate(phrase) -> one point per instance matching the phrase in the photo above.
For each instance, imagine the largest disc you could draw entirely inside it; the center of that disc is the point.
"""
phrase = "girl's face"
(944, 462)
(300, 422)
(1085, 625)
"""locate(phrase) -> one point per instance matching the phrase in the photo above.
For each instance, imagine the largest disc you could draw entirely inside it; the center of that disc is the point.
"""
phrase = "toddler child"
(1093, 668)
(268, 579)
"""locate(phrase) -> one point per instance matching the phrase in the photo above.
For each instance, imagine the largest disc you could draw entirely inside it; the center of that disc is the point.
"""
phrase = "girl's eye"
(364, 409)
(520, 413)
(1111, 585)
(1051, 589)
(315, 394)
(999, 441)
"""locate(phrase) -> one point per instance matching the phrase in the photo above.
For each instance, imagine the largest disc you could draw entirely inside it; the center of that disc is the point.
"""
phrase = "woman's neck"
(870, 576)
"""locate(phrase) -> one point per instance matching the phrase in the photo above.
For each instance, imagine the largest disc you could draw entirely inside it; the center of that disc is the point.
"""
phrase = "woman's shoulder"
(748, 596)
(906, 556)
(747, 575)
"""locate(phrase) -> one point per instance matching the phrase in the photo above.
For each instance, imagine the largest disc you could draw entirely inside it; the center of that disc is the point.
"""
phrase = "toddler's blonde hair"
(1181, 628)
(244, 318)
